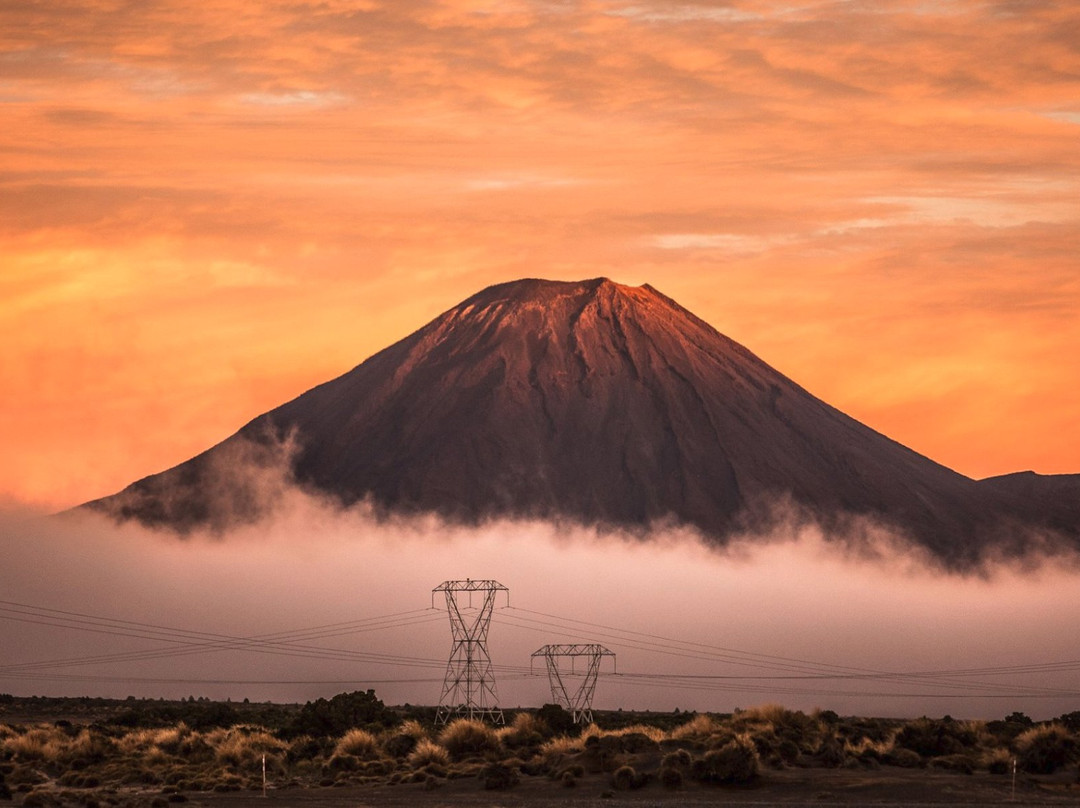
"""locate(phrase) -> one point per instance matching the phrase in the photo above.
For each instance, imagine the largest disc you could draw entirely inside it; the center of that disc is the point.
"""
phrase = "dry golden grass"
(413, 729)
(243, 746)
(428, 752)
(865, 745)
(39, 743)
(359, 743)
(466, 738)
(168, 739)
(699, 727)
(652, 733)
(764, 714)
(526, 728)
(554, 751)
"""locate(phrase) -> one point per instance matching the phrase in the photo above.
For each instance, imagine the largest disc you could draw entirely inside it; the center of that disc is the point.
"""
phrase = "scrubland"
(353, 741)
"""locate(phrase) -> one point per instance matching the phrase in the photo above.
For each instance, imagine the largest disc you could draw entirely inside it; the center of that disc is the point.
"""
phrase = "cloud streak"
(869, 631)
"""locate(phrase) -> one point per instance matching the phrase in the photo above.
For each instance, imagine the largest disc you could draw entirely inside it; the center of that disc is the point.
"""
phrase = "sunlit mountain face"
(603, 405)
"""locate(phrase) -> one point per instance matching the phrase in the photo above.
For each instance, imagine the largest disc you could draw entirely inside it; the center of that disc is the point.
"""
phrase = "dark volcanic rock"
(588, 401)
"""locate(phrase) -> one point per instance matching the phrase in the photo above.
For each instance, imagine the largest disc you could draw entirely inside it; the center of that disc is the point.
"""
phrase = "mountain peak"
(591, 401)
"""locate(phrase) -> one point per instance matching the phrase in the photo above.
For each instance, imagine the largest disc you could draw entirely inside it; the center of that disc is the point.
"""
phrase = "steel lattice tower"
(580, 705)
(469, 687)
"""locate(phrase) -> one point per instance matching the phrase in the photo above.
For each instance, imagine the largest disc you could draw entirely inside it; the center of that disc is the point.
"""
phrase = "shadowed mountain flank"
(596, 403)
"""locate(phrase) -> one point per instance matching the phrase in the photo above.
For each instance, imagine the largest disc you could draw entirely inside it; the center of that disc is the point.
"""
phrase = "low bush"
(557, 720)
(426, 753)
(341, 713)
(498, 777)
(1045, 749)
(466, 738)
(671, 778)
(623, 778)
(997, 761)
(699, 728)
(244, 746)
(830, 753)
(963, 764)
(734, 763)
(679, 759)
(904, 758)
(933, 738)
(526, 730)
(359, 743)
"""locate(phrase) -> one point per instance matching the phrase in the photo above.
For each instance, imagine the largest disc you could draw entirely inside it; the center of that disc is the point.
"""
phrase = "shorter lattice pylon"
(579, 705)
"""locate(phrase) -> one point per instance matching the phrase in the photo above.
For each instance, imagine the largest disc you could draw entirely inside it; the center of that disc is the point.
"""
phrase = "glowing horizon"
(206, 210)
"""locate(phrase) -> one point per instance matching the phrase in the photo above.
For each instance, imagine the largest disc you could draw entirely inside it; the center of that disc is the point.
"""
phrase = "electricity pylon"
(580, 705)
(469, 687)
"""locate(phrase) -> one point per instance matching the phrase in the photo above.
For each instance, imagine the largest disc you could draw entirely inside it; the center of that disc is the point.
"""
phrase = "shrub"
(243, 746)
(468, 738)
(700, 727)
(637, 742)
(623, 778)
(679, 759)
(997, 761)
(38, 799)
(1045, 749)
(788, 751)
(426, 753)
(904, 758)
(955, 763)
(359, 743)
(735, 762)
(671, 778)
(303, 747)
(526, 730)
(34, 744)
(498, 777)
(831, 753)
(341, 713)
(557, 748)
(556, 719)
(342, 763)
(932, 738)
(401, 743)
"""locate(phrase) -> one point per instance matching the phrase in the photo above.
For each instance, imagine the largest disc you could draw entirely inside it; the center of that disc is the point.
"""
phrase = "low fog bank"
(761, 611)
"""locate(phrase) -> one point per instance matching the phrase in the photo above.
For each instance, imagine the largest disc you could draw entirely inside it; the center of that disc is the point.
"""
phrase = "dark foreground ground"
(792, 787)
(93, 753)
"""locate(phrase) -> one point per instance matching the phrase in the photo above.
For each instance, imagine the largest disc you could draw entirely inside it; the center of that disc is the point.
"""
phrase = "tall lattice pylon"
(580, 703)
(469, 687)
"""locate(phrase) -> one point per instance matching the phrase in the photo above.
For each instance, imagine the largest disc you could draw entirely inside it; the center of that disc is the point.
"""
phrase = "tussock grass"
(1045, 749)
(734, 763)
(698, 728)
(243, 746)
(525, 730)
(554, 751)
(427, 753)
(763, 714)
(652, 733)
(465, 738)
(359, 743)
(996, 761)
(39, 743)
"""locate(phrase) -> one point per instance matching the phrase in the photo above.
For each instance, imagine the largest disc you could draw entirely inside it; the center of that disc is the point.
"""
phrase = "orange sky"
(206, 208)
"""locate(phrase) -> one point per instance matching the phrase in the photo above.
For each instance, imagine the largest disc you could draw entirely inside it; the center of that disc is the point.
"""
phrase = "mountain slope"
(588, 401)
